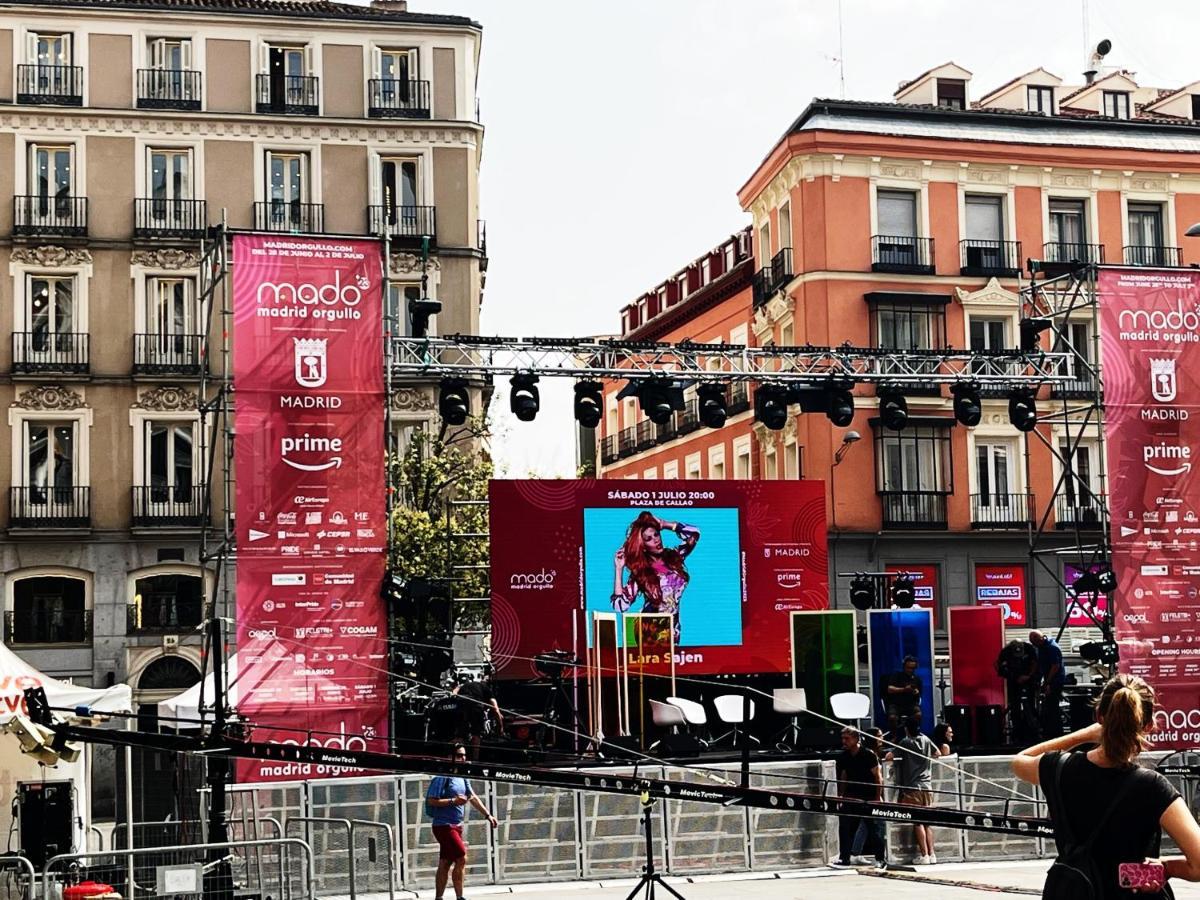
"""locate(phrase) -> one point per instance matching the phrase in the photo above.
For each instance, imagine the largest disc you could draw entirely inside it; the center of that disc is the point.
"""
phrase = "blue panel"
(893, 635)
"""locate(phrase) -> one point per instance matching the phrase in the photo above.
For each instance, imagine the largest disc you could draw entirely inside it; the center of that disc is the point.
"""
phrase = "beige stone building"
(128, 128)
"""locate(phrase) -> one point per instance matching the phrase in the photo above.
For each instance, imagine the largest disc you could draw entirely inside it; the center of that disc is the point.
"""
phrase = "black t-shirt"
(476, 700)
(856, 770)
(1131, 833)
(903, 680)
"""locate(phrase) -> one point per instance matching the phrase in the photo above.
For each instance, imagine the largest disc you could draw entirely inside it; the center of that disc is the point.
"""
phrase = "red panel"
(976, 639)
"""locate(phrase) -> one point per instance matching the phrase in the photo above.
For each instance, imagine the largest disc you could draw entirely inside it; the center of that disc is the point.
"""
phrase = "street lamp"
(850, 437)
(1194, 231)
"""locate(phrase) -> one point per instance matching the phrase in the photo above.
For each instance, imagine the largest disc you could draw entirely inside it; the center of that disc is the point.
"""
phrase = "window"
(399, 294)
(50, 610)
(913, 460)
(671, 470)
(287, 175)
(1040, 99)
(49, 461)
(770, 463)
(897, 213)
(1116, 104)
(785, 226)
(169, 54)
(716, 463)
(1146, 235)
(1196, 106)
(1068, 231)
(764, 243)
(284, 80)
(51, 315)
(915, 326)
(995, 472)
(741, 459)
(1081, 492)
(52, 175)
(693, 467)
(171, 313)
(398, 182)
(951, 93)
(169, 460)
(985, 217)
(398, 66)
(651, 473)
(170, 174)
(989, 334)
(791, 459)
(1080, 336)
(612, 416)
(167, 601)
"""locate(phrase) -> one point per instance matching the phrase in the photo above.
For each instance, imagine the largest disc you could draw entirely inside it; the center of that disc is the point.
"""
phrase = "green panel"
(824, 656)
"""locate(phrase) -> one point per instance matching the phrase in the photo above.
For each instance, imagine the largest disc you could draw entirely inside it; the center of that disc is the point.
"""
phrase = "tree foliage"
(450, 464)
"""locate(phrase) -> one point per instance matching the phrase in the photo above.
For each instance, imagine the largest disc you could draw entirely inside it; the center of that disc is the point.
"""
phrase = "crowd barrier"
(548, 834)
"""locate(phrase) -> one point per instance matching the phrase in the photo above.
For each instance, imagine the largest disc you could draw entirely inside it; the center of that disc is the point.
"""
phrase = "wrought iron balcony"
(1086, 511)
(626, 441)
(51, 85)
(24, 627)
(688, 420)
(609, 452)
(170, 218)
(36, 352)
(980, 257)
(914, 510)
(163, 615)
(168, 506)
(1075, 389)
(760, 286)
(1155, 257)
(290, 95)
(394, 98)
(50, 216)
(403, 221)
(739, 398)
(781, 270)
(168, 89)
(296, 218)
(645, 435)
(50, 507)
(999, 511)
(1070, 252)
(901, 254)
(168, 354)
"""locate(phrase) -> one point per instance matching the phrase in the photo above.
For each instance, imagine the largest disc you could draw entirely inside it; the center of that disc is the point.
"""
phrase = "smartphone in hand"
(1149, 876)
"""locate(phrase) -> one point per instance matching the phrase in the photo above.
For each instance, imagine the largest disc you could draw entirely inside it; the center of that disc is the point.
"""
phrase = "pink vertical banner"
(310, 505)
(1150, 326)
(976, 639)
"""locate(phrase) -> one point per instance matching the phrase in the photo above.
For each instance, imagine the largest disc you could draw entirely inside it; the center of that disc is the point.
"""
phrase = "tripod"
(556, 700)
(650, 876)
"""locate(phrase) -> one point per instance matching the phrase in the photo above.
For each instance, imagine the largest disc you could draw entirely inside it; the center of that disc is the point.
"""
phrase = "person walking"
(870, 840)
(446, 802)
(1106, 809)
(1050, 665)
(915, 781)
(858, 778)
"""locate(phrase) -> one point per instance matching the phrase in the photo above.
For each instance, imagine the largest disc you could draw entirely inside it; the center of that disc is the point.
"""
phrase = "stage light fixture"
(659, 399)
(589, 403)
(893, 408)
(862, 593)
(1022, 410)
(1099, 579)
(771, 406)
(967, 408)
(523, 397)
(420, 309)
(904, 595)
(1106, 652)
(840, 405)
(1029, 330)
(454, 403)
(712, 401)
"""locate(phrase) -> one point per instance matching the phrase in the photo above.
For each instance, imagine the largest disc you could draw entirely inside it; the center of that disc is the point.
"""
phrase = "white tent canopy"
(16, 675)
(186, 706)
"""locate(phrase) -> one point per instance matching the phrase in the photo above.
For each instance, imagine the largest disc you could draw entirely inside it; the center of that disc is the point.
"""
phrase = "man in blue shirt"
(1050, 666)
(446, 801)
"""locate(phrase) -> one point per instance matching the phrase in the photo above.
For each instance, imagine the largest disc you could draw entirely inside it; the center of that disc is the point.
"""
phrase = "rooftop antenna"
(1102, 50)
(841, 60)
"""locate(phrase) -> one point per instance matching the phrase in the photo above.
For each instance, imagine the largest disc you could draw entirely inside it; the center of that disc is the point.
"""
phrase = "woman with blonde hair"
(1109, 812)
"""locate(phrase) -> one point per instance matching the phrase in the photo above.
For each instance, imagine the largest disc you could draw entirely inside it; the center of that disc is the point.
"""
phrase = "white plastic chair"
(850, 705)
(732, 709)
(790, 702)
(694, 715)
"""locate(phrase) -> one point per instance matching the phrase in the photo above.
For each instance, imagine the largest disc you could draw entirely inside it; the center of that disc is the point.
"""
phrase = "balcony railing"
(608, 449)
(1075, 389)
(44, 216)
(1001, 510)
(42, 351)
(402, 221)
(168, 89)
(667, 431)
(1070, 252)
(163, 616)
(626, 441)
(170, 218)
(167, 354)
(293, 95)
(901, 254)
(908, 510)
(644, 438)
(688, 419)
(980, 257)
(781, 269)
(55, 85)
(739, 398)
(760, 286)
(297, 218)
(50, 507)
(1155, 257)
(166, 506)
(47, 626)
(393, 98)
(1081, 510)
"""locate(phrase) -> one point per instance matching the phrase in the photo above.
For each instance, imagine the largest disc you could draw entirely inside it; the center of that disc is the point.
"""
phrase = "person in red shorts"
(446, 802)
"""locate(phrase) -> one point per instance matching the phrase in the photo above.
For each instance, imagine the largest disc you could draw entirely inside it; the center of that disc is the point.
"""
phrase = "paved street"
(943, 882)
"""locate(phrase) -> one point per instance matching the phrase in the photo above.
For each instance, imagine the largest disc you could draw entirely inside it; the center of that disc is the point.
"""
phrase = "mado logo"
(1176, 725)
(1175, 326)
(1167, 459)
(328, 300)
(533, 581)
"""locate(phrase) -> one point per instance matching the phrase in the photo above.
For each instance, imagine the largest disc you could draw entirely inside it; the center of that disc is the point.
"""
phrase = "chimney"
(397, 6)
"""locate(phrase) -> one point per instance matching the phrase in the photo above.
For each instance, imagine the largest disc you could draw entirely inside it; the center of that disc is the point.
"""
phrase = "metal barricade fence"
(17, 878)
(333, 858)
(178, 870)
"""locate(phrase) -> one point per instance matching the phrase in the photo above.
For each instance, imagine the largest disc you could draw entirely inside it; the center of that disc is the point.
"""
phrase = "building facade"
(130, 128)
(907, 225)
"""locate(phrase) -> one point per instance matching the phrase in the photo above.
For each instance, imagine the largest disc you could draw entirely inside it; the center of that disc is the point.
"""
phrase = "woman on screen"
(655, 571)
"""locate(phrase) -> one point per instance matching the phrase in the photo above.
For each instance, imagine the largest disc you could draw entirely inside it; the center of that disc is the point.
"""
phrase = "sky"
(619, 132)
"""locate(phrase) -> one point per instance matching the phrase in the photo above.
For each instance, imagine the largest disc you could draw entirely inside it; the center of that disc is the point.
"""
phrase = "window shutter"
(185, 55)
(376, 63)
(31, 45)
(308, 60)
(264, 58)
(67, 52)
